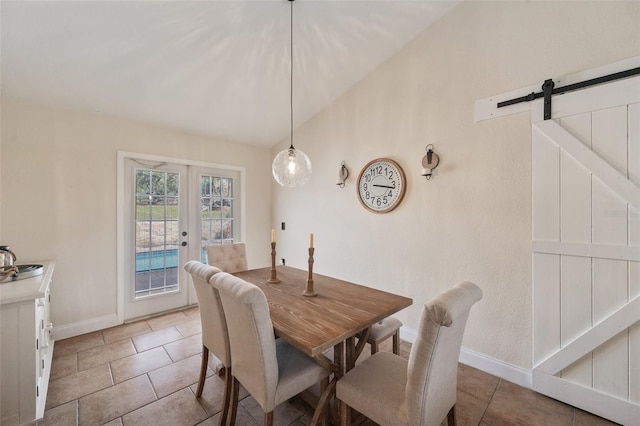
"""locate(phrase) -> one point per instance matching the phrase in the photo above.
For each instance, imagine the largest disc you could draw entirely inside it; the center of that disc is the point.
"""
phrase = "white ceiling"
(218, 68)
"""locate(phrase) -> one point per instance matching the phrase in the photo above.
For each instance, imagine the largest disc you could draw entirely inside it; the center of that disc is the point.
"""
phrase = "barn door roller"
(548, 89)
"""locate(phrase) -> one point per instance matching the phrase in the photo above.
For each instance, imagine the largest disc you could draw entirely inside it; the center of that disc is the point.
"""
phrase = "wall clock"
(381, 185)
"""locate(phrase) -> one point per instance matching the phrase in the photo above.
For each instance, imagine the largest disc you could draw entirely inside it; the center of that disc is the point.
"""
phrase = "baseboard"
(506, 371)
(77, 328)
(518, 375)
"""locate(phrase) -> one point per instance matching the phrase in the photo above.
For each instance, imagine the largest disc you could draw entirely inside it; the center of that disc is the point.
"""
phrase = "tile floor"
(145, 373)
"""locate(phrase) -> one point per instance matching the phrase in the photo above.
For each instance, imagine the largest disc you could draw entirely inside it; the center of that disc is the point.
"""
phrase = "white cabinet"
(26, 348)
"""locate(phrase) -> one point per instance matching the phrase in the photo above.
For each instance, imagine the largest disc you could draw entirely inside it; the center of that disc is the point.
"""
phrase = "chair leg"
(268, 418)
(345, 414)
(451, 417)
(374, 347)
(234, 401)
(396, 342)
(203, 370)
(228, 390)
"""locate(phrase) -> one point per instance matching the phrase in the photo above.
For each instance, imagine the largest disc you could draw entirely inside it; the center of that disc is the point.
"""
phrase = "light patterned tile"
(243, 418)
(105, 353)
(176, 376)
(179, 408)
(63, 365)
(77, 385)
(126, 330)
(476, 383)
(156, 338)
(189, 328)
(78, 343)
(184, 348)
(284, 414)
(512, 404)
(469, 409)
(211, 421)
(193, 313)
(114, 422)
(213, 394)
(582, 418)
(143, 362)
(62, 415)
(167, 320)
(115, 401)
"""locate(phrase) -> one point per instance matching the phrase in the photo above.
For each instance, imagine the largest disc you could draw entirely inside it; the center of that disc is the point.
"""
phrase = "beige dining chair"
(381, 331)
(228, 257)
(215, 337)
(421, 391)
(270, 369)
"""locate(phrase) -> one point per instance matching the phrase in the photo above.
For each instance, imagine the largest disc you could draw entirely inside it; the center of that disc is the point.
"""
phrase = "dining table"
(340, 311)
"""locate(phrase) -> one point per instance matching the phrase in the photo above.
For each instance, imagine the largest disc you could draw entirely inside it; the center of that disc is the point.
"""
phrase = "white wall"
(473, 220)
(59, 187)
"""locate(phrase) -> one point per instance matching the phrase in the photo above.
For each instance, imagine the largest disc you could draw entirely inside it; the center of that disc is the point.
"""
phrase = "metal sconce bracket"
(343, 174)
(429, 162)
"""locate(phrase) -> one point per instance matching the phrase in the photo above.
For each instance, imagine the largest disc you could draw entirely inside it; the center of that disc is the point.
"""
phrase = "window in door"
(217, 218)
(156, 232)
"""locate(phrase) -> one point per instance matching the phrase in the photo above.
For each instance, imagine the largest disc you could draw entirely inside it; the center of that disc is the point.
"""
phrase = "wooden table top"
(314, 324)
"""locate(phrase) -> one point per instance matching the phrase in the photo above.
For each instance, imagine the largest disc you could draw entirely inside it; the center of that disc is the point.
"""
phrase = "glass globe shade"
(291, 167)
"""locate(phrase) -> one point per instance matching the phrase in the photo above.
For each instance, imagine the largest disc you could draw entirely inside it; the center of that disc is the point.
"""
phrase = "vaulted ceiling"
(218, 68)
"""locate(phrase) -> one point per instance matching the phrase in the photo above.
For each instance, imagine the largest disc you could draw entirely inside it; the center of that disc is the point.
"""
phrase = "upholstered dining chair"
(421, 391)
(215, 337)
(381, 331)
(270, 369)
(228, 257)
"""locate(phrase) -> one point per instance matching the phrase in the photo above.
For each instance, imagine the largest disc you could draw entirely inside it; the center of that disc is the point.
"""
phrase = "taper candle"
(310, 240)
(273, 235)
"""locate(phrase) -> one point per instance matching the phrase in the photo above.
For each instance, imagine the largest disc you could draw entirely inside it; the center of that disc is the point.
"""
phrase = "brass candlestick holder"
(274, 277)
(309, 292)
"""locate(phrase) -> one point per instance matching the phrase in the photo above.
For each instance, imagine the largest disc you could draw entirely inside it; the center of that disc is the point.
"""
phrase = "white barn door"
(586, 250)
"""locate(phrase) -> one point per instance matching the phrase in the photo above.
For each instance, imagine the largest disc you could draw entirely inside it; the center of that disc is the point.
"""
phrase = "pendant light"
(291, 167)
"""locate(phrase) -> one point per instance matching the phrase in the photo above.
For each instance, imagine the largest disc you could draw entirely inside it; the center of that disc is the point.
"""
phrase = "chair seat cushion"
(377, 387)
(384, 329)
(296, 371)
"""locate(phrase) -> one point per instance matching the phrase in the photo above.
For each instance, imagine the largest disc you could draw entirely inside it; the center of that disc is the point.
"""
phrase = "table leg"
(350, 352)
(339, 360)
(362, 341)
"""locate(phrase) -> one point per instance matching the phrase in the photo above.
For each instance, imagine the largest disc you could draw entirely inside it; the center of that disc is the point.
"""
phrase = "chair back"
(214, 325)
(253, 346)
(228, 257)
(433, 361)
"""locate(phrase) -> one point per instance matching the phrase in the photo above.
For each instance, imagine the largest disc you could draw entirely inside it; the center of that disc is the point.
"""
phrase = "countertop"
(29, 288)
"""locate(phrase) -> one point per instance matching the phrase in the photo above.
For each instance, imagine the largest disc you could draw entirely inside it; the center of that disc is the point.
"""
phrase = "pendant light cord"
(291, 74)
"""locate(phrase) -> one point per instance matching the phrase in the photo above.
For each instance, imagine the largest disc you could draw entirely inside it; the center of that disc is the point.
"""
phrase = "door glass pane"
(216, 212)
(157, 233)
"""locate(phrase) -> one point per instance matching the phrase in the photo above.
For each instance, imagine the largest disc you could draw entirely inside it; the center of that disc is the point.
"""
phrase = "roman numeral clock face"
(381, 185)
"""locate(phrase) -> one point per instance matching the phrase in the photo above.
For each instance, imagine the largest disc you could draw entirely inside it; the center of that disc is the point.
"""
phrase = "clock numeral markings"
(381, 186)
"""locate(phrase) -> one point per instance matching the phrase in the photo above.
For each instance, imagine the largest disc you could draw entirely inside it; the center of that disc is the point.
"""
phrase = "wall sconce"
(429, 162)
(343, 174)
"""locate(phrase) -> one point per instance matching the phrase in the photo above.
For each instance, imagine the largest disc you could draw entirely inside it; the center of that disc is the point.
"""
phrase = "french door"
(171, 212)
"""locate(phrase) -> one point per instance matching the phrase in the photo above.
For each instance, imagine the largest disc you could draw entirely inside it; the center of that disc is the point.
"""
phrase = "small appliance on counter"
(9, 271)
